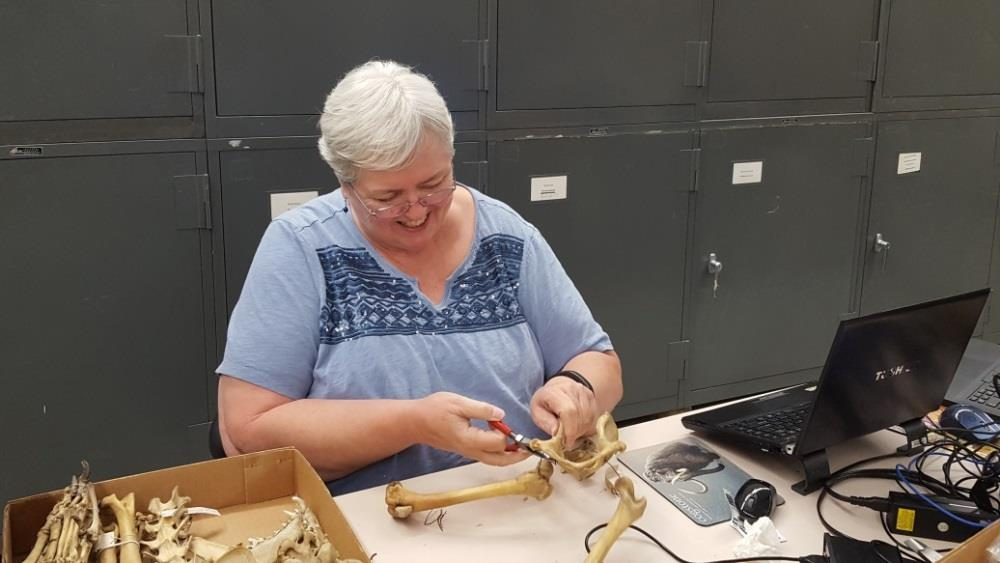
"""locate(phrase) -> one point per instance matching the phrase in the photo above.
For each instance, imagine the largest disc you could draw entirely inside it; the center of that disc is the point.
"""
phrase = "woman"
(381, 324)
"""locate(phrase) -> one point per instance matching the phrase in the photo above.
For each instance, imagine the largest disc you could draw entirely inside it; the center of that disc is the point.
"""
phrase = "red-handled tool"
(519, 442)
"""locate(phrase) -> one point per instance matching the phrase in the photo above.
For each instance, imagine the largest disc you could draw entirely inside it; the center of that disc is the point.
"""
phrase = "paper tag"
(193, 511)
(748, 172)
(104, 541)
(546, 188)
(908, 162)
(286, 201)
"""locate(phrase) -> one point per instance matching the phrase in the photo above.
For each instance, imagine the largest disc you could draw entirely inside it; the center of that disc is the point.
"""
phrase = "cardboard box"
(251, 491)
(973, 550)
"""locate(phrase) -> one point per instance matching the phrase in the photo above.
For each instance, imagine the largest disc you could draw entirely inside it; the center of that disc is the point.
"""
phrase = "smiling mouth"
(414, 224)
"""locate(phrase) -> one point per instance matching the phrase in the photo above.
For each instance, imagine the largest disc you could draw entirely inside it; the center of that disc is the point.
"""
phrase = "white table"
(552, 530)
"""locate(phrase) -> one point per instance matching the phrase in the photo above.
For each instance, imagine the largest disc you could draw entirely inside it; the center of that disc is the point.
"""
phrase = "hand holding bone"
(565, 404)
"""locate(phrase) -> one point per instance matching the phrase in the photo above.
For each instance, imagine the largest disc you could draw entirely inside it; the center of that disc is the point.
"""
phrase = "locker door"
(620, 234)
(106, 326)
(778, 207)
(95, 60)
(261, 167)
(282, 58)
(939, 55)
(564, 62)
(791, 50)
(937, 213)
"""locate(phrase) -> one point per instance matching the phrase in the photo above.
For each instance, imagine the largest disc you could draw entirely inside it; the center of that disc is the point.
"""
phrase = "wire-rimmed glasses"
(432, 199)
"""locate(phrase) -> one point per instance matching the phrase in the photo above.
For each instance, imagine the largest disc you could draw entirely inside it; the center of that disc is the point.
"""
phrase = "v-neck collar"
(392, 270)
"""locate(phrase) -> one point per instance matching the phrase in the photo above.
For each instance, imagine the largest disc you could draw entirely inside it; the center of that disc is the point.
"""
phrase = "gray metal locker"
(121, 69)
(107, 301)
(620, 234)
(560, 62)
(275, 62)
(786, 57)
(933, 210)
(778, 210)
(250, 170)
(938, 55)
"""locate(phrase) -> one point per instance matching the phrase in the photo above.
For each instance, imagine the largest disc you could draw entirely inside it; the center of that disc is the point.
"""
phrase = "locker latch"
(882, 247)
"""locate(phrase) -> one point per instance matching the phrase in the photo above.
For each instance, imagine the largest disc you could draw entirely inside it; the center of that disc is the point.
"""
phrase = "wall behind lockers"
(729, 167)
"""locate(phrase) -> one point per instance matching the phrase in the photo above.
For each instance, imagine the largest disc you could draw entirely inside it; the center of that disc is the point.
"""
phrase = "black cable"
(586, 545)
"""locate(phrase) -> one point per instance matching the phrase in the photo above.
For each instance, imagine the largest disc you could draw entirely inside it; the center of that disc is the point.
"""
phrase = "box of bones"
(256, 496)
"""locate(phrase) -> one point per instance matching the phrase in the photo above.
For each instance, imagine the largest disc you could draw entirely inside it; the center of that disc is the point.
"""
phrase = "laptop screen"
(888, 368)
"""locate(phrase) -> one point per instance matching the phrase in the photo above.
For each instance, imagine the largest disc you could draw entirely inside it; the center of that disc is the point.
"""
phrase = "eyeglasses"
(432, 199)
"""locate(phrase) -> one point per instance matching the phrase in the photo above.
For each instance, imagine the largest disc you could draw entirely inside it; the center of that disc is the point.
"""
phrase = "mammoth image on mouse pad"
(691, 475)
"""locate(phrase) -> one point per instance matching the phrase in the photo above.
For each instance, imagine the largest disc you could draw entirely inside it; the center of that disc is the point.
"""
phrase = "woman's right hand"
(443, 422)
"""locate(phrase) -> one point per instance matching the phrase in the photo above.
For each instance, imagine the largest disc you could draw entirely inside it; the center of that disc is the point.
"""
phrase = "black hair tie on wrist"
(575, 376)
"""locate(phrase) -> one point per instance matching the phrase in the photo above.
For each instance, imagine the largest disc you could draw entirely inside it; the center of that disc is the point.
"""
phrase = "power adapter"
(847, 550)
(910, 515)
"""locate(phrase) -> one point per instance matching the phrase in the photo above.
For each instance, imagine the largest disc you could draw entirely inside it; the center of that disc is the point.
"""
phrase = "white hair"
(375, 117)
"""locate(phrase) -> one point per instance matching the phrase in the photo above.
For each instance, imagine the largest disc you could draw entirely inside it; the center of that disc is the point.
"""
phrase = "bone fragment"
(628, 511)
(585, 459)
(402, 502)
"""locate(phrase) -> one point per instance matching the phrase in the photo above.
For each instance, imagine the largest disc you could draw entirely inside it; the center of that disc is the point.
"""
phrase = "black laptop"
(883, 370)
(973, 383)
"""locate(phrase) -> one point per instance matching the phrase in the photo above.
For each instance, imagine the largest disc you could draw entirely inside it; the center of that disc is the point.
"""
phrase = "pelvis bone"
(592, 452)
(628, 511)
(403, 502)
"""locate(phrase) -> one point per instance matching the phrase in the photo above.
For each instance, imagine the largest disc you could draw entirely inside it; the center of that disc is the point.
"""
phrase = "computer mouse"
(756, 498)
(969, 423)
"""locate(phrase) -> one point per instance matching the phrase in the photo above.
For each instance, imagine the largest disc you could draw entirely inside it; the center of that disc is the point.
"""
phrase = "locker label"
(908, 162)
(748, 172)
(286, 201)
(546, 188)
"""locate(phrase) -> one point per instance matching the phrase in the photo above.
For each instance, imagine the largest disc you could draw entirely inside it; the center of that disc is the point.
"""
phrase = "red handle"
(499, 425)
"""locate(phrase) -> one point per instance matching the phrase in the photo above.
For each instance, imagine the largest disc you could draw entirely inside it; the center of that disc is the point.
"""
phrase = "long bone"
(402, 502)
(629, 510)
(584, 460)
(124, 511)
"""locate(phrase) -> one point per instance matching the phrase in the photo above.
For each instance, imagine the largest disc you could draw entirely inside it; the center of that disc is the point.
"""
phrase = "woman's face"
(430, 172)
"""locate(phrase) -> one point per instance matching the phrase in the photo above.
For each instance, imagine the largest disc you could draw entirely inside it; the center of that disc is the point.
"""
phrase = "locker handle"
(882, 247)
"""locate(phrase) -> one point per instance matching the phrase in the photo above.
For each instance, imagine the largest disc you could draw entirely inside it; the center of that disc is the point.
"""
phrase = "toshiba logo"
(884, 374)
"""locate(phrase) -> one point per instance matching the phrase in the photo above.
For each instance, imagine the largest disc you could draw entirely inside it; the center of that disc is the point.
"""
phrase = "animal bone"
(165, 532)
(535, 483)
(299, 540)
(72, 526)
(628, 511)
(593, 452)
(124, 511)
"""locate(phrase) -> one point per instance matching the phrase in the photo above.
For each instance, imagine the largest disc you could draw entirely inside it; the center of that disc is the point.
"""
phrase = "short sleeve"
(559, 318)
(273, 337)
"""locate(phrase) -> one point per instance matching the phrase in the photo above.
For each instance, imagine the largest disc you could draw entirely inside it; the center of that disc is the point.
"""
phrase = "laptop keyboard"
(780, 426)
(986, 394)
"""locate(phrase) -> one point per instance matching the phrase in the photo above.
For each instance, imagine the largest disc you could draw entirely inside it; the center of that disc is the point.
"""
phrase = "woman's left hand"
(565, 402)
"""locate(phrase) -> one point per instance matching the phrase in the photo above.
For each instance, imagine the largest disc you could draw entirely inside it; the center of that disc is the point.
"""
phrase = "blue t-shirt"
(323, 315)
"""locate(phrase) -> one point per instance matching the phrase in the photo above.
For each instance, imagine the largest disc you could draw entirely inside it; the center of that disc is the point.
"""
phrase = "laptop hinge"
(677, 355)
(815, 472)
(916, 435)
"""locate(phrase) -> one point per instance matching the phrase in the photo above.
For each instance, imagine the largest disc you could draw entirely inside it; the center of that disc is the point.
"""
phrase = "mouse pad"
(691, 475)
